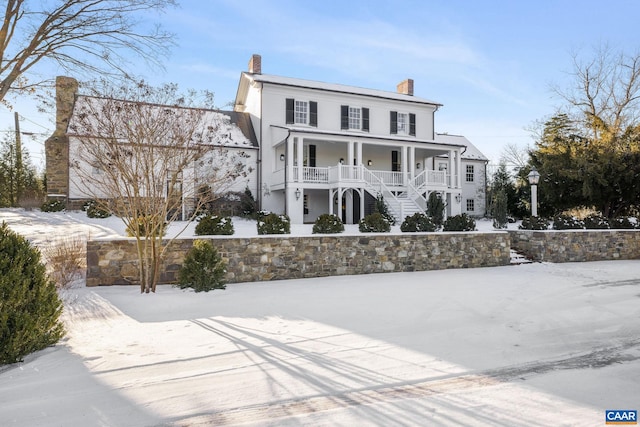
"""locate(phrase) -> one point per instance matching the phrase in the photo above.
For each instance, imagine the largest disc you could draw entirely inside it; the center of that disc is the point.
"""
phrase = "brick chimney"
(255, 64)
(406, 87)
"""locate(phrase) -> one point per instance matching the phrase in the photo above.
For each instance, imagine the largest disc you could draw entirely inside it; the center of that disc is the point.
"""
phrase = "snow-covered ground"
(526, 345)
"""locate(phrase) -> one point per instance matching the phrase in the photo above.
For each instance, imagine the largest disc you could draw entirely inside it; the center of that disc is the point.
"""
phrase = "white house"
(330, 148)
(474, 174)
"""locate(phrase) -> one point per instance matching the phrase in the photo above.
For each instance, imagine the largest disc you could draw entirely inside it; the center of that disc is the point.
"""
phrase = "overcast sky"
(490, 63)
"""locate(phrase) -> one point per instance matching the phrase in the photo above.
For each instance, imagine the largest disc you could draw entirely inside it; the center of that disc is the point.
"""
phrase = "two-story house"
(317, 148)
(330, 148)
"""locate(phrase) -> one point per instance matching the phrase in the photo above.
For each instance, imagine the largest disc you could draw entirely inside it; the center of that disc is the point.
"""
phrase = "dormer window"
(354, 118)
(301, 112)
(403, 123)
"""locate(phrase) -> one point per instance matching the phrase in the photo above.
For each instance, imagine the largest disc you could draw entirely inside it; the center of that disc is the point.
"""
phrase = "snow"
(525, 345)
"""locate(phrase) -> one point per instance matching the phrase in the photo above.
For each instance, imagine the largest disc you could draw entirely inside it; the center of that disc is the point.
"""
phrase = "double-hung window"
(403, 123)
(354, 118)
(301, 112)
(470, 173)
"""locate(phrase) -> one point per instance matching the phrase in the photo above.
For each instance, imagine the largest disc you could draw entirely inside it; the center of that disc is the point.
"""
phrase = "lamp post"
(534, 178)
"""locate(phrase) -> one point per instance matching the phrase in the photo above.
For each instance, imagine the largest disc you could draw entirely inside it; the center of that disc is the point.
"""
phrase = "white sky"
(490, 63)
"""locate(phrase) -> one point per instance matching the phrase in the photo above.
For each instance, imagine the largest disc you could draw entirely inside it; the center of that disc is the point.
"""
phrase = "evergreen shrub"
(462, 222)
(435, 209)
(52, 206)
(383, 209)
(534, 223)
(272, 223)
(499, 210)
(328, 224)
(418, 222)
(29, 305)
(567, 222)
(622, 223)
(93, 211)
(203, 268)
(214, 225)
(596, 222)
(374, 223)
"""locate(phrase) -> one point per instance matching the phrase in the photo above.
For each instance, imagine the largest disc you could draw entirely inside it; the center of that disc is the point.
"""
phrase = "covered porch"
(337, 174)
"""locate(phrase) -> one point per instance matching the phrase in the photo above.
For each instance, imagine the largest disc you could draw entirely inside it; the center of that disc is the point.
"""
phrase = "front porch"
(317, 175)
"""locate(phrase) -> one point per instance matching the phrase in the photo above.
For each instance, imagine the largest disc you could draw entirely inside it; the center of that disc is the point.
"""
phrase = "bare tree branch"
(90, 35)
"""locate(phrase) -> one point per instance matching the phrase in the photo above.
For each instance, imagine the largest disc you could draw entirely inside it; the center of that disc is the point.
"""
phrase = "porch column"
(405, 165)
(359, 153)
(361, 192)
(459, 167)
(348, 204)
(412, 161)
(300, 158)
(350, 151)
(452, 171)
(289, 159)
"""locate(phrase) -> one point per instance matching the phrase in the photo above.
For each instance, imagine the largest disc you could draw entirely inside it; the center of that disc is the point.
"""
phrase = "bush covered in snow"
(418, 222)
(29, 305)
(595, 222)
(567, 222)
(328, 224)
(94, 211)
(534, 223)
(374, 223)
(462, 222)
(622, 223)
(52, 206)
(203, 268)
(271, 223)
(214, 225)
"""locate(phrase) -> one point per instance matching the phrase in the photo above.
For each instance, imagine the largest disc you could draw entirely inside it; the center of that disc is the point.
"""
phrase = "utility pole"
(18, 165)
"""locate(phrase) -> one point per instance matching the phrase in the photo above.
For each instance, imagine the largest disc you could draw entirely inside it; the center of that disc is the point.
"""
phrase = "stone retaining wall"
(113, 262)
(577, 245)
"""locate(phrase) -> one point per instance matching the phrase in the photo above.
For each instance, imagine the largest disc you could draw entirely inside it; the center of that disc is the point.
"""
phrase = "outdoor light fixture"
(298, 193)
(282, 157)
(458, 198)
(341, 160)
(418, 165)
(534, 178)
(369, 163)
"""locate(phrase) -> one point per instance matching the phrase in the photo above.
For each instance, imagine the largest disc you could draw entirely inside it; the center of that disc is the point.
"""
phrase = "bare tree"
(515, 156)
(151, 159)
(605, 92)
(77, 34)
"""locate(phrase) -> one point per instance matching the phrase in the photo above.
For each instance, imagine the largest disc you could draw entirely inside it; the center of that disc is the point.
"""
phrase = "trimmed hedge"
(328, 224)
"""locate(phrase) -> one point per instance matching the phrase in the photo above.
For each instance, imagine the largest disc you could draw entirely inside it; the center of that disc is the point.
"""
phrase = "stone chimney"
(255, 64)
(56, 147)
(66, 90)
(406, 87)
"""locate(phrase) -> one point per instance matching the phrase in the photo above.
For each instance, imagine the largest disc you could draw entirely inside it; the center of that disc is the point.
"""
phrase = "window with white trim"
(403, 123)
(470, 173)
(471, 205)
(301, 112)
(355, 118)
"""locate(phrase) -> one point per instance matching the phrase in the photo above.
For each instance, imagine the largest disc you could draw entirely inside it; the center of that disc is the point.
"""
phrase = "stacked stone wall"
(113, 262)
(577, 245)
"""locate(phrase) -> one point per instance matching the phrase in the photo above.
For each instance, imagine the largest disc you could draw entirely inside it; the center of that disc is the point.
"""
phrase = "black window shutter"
(313, 113)
(365, 119)
(394, 122)
(344, 117)
(412, 124)
(290, 103)
(312, 156)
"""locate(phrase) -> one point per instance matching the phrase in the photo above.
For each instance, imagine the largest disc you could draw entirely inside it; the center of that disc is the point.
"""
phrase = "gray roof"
(333, 87)
(471, 152)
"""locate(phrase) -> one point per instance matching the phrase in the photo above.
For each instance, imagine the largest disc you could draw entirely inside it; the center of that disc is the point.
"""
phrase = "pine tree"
(435, 208)
(29, 305)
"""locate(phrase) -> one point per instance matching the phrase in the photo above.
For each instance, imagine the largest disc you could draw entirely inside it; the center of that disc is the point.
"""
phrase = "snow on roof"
(471, 152)
(333, 87)
(226, 128)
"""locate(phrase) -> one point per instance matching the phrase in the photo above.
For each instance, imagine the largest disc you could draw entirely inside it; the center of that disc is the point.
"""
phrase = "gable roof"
(226, 128)
(471, 152)
(328, 87)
